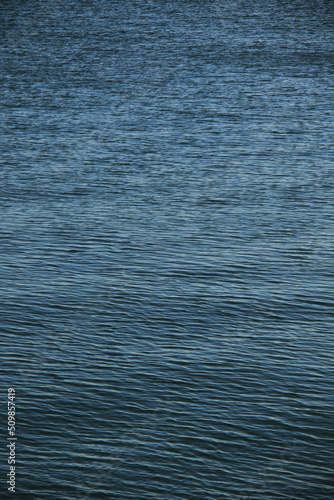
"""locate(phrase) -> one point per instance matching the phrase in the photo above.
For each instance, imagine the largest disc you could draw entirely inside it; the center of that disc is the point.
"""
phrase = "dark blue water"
(166, 230)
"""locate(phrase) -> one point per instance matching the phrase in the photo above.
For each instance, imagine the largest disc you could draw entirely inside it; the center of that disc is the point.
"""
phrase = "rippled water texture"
(166, 229)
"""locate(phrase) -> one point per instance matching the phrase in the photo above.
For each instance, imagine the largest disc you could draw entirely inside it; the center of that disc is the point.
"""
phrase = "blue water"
(167, 267)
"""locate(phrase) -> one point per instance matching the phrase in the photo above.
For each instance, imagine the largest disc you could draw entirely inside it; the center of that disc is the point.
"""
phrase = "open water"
(166, 197)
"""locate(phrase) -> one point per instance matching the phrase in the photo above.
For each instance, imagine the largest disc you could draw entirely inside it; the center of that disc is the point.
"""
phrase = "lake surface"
(166, 230)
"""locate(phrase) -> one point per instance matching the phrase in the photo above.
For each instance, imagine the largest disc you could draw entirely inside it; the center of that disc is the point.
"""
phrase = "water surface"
(166, 229)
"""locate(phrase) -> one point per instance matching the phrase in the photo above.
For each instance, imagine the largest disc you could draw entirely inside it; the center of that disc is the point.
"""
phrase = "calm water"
(167, 248)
